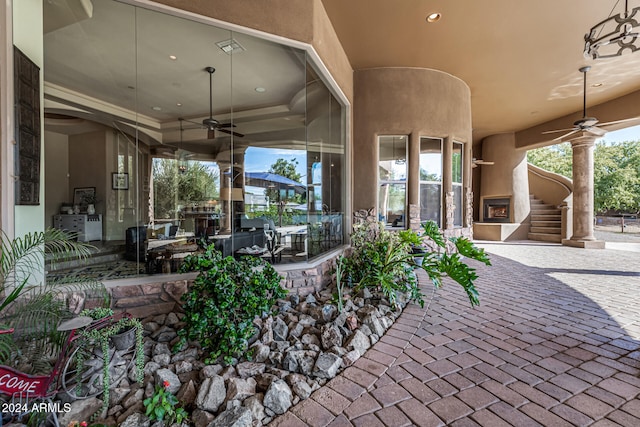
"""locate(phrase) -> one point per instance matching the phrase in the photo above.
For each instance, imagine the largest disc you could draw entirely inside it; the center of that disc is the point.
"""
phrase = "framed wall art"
(119, 181)
(27, 130)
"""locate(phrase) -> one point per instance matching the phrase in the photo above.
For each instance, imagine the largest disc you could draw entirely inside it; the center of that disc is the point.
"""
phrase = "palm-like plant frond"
(35, 309)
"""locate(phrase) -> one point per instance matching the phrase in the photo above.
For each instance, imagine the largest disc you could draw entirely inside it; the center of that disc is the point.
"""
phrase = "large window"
(392, 179)
(219, 135)
(431, 180)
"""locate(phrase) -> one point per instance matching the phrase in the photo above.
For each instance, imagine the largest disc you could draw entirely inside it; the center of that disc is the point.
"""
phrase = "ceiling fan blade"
(557, 130)
(239, 135)
(211, 134)
(618, 121)
(566, 135)
(596, 130)
(226, 125)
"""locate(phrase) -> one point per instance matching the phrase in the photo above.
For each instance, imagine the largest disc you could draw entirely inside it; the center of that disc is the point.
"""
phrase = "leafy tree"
(616, 172)
(287, 169)
(197, 183)
(617, 177)
(556, 158)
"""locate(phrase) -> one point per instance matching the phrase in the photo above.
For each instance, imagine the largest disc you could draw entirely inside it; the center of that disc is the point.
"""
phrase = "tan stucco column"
(413, 183)
(467, 184)
(447, 186)
(583, 237)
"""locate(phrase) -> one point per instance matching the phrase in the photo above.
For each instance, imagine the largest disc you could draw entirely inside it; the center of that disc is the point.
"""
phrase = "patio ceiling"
(520, 58)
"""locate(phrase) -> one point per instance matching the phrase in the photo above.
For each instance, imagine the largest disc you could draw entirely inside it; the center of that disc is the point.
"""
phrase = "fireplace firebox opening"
(497, 209)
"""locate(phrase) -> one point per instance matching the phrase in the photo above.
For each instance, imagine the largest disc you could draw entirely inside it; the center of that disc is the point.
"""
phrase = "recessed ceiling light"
(156, 108)
(434, 17)
(260, 89)
(179, 104)
(597, 84)
(173, 57)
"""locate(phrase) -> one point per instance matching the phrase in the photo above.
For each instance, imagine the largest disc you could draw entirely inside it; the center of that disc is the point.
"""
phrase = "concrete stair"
(546, 221)
(99, 255)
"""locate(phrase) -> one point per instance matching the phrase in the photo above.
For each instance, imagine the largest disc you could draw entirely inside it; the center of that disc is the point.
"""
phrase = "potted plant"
(110, 331)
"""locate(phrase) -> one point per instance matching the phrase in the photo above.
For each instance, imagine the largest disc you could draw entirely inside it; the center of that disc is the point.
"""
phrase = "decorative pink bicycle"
(28, 394)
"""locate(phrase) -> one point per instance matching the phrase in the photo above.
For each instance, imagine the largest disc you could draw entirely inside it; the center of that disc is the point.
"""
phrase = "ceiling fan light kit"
(614, 36)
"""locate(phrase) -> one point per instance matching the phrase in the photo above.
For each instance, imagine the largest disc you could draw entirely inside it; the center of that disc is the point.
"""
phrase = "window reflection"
(392, 178)
(276, 164)
(431, 179)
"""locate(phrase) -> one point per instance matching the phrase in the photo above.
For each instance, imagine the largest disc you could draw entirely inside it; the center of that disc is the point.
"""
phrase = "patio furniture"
(168, 258)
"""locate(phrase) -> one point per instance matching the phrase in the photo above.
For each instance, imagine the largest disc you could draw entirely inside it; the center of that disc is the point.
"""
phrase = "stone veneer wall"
(142, 300)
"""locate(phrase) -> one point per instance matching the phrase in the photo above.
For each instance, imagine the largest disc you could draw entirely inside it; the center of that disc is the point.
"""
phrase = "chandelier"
(615, 35)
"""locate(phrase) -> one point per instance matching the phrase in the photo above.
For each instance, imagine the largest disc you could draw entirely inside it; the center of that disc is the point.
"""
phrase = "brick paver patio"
(555, 342)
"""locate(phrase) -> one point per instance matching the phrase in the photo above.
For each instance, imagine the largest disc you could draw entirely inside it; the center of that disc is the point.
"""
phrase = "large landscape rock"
(211, 394)
(278, 397)
(234, 417)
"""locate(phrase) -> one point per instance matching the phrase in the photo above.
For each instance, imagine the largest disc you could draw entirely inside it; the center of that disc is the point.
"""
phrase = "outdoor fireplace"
(496, 209)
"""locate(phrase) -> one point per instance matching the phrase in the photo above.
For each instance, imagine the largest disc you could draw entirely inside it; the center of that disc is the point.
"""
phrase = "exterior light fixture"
(615, 35)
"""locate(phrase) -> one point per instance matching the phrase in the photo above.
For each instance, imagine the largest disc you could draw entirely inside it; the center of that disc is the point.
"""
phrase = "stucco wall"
(403, 101)
(508, 176)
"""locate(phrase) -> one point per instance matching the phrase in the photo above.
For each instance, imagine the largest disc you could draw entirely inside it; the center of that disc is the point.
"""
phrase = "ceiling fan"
(210, 123)
(585, 124)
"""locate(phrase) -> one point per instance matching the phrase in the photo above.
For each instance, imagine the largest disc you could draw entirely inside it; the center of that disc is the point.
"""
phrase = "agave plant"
(29, 304)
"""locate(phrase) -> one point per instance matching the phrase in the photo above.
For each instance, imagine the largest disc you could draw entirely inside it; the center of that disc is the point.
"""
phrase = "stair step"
(102, 255)
(536, 217)
(545, 212)
(544, 237)
(537, 206)
(546, 230)
(553, 224)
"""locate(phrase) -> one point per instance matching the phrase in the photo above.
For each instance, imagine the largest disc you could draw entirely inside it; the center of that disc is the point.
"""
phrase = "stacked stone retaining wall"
(161, 297)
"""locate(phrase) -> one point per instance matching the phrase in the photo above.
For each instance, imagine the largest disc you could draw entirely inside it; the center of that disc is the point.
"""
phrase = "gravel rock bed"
(294, 353)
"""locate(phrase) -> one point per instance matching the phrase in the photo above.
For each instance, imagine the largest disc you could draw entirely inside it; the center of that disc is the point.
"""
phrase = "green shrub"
(440, 260)
(386, 260)
(224, 300)
(382, 260)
